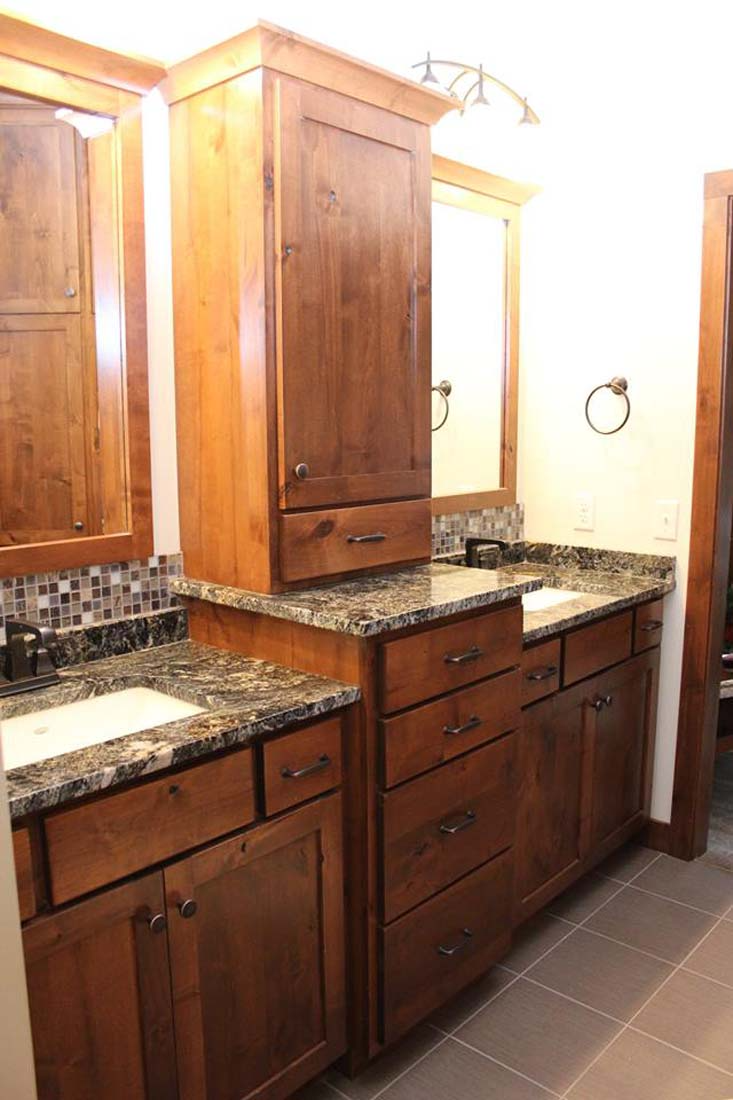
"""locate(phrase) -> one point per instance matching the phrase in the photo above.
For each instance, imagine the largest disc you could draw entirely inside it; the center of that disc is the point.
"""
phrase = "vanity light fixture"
(467, 83)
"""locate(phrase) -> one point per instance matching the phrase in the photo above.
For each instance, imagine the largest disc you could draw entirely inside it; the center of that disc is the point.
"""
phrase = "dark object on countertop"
(27, 665)
(473, 545)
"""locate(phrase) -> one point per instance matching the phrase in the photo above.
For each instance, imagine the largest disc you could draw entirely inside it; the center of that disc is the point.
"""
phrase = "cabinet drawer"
(91, 845)
(302, 765)
(430, 954)
(24, 873)
(438, 827)
(341, 540)
(648, 625)
(592, 648)
(438, 660)
(426, 736)
(540, 671)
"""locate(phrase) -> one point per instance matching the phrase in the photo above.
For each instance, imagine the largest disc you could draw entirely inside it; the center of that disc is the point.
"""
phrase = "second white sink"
(45, 733)
(547, 597)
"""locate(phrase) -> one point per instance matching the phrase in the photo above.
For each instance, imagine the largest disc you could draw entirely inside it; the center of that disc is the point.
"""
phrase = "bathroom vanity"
(182, 888)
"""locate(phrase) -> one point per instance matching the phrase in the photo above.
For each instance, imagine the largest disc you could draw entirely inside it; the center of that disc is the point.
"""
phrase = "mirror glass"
(469, 348)
(63, 450)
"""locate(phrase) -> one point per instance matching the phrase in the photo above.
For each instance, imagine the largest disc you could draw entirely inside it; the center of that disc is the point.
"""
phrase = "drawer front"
(592, 648)
(89, 846)
(648, 625)
(24, 873)
(428, 735)
(540, 671)
(436, 661)
(302, 765)
(341, 540)
(440, 826)
(430, 954)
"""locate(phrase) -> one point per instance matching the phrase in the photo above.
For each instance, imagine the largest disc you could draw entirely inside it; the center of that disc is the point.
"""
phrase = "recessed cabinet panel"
(256, 935)
(353, 242)
(100, 1000)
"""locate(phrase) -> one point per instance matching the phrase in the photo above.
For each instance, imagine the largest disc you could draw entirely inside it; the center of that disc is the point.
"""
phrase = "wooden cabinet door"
(257, 958)
(623, 746)
(100, 999)
(44, 453)
(39, 232)
(352, 227)
(554, 790)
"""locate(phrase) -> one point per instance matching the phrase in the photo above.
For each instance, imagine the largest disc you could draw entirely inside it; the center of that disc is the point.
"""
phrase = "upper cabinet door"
(352, 233)
(39, 233)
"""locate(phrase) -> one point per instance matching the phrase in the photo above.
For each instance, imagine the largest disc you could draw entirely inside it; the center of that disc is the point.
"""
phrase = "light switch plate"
(666, 517)
(585, 512)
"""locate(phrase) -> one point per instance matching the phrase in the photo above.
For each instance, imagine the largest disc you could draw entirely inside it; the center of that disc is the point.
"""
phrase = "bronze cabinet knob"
(157, 923)
(301, 471)
(187, 908)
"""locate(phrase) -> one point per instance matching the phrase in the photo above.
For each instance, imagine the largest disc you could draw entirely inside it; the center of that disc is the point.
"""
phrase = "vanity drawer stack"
(449, 700)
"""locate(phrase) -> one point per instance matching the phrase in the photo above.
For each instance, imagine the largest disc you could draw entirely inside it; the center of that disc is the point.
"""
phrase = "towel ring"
(618, 386)
(444, 388)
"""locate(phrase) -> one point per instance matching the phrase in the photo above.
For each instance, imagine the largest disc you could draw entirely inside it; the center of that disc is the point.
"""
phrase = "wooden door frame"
(712, 509)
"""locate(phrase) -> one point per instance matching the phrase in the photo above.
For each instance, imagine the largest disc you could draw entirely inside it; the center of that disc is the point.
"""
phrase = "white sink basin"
(44, 733)
(547, 597)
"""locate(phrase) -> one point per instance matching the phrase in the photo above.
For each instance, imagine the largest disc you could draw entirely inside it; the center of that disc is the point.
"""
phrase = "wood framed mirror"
(475, 329)
(75, 483)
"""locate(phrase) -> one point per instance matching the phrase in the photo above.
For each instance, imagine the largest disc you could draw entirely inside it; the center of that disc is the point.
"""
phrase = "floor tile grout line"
(511, 1069)
(622, 943)
(675, 901)
(333, 1088)
(629, 1023)
(575, 1001)
(680, 1050)
(518, 974)
(412, 1065)
(707, 978)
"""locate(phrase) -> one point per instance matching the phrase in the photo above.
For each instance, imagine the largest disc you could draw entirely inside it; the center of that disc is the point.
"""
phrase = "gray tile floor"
(623, 990)
(720, 837)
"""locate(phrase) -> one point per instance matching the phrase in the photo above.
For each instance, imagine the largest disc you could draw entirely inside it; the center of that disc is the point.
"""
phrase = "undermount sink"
(57, 730)
(547, 597)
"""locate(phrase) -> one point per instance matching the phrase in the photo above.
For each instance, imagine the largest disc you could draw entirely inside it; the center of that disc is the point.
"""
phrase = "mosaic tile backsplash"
(91, 594)
(450, 531)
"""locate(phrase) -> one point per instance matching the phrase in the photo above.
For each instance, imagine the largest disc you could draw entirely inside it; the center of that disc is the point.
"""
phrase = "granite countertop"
(245, 700)
(378, 603)
(601, 593)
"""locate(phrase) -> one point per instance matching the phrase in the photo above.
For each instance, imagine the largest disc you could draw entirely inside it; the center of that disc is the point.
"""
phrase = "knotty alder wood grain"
(24, 875)
(319, 748)
(322, 542)
(648, 625)
(351, 191)
(540, 671)
(591, 648)
(443, 824)
(446, 657)
(426, 736)
(471, 919)
(103, 840)
(258, 971)
(99, 996)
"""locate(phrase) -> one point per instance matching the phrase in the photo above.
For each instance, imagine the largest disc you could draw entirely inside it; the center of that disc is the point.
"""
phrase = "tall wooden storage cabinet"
(301, 247)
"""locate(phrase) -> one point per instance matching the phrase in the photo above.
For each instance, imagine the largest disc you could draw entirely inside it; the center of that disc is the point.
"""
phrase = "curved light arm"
(531, 115)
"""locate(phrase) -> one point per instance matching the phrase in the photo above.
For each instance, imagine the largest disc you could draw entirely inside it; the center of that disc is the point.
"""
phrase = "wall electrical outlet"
(666, 516)
(585, 512)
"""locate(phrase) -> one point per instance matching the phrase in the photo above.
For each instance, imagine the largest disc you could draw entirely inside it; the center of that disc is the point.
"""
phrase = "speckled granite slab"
(378, 603)
(77, 645)
(245, 700)
(602, 594)
(584, 558)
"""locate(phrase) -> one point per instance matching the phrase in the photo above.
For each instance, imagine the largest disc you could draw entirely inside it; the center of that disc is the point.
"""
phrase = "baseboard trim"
(657, 835)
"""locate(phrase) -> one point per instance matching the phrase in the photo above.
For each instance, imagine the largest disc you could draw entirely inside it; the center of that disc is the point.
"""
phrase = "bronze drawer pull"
(471, 654)
(602, 701)
(323, 761)
(653, 624)
(376, 537)
(158, 923)
(448, 951)
(471, 724)
(469, 818)
(543, 673)
(597, 704)
(188, 908)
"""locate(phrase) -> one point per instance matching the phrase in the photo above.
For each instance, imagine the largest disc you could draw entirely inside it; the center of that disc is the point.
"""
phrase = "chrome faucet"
(27, 663)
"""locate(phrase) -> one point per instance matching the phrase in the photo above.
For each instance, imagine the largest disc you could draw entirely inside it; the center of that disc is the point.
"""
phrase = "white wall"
(636, 105)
